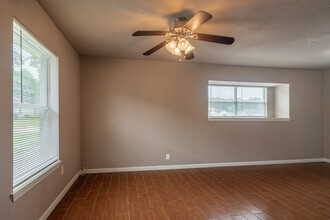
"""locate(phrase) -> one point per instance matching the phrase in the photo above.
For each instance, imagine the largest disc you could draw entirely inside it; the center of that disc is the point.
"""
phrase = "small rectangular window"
(227, 101)
(35, 107)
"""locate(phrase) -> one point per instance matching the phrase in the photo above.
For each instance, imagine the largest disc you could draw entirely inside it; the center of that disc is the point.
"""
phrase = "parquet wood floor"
(296, 191)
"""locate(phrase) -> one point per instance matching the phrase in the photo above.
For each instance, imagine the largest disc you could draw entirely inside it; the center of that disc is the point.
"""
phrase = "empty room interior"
(150, 109)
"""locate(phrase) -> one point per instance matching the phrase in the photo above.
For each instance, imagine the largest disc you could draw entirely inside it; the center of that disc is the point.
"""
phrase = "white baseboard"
(326, 160)
(201, 165)
(60, 197)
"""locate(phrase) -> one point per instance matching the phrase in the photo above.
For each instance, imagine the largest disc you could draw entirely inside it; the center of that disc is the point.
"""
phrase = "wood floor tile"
(148, 216)
(110, 211)
(173, 214)
(67, 201)
(145, 203)
(296, 191)
(58, 214)
(99, 207)
(122, 217)
(135, 211)
(85, 213)
(74, 210)
(90, 199)
(159, 210)
(197, 213)
(122, 207)
(133, 196)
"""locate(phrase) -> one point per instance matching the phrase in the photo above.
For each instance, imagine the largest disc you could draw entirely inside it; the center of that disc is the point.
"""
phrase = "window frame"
(236, 102)
(51, 105)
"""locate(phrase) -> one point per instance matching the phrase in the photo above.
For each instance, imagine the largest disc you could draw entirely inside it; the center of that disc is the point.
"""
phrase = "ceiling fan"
(182, 29)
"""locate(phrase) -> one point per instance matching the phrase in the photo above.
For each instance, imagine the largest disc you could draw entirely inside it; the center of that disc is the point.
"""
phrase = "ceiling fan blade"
(154, 49)
(215, 39)
(149, 33)
(197, 20)
(189, 56)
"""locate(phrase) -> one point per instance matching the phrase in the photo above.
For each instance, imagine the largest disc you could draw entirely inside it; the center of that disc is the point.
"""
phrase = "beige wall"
(133, 112)
(35, 202)
(327, 114)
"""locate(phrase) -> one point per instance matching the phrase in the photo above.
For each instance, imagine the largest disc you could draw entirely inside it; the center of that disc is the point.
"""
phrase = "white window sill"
(249, 119)
(29, 184)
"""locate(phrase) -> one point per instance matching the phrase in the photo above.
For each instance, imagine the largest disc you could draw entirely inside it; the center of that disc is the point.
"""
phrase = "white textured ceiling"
(271, 33)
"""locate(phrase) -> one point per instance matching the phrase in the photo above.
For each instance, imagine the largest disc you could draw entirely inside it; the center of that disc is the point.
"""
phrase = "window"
(248, 101)
(226, 101)
(35, 107)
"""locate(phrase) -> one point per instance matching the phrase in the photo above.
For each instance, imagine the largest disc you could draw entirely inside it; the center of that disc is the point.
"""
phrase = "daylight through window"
(227, 101)
(35, 106)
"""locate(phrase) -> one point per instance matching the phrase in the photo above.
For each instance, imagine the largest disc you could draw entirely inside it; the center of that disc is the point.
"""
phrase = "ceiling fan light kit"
(179, 47)
(178, 43)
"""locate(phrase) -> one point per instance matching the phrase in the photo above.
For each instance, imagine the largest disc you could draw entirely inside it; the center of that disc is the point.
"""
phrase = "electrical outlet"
(167, 156)
(62, 169)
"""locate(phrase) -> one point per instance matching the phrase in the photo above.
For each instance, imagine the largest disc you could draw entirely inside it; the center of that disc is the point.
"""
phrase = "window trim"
(236, 102)
(53, 105)
(34, 180)
(249, 119)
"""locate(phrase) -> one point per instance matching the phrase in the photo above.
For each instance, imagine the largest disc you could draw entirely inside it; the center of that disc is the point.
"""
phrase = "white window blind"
(35, 106)
(227, 101)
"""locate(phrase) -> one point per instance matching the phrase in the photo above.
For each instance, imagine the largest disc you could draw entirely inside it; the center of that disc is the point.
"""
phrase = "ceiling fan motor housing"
(179, 22)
